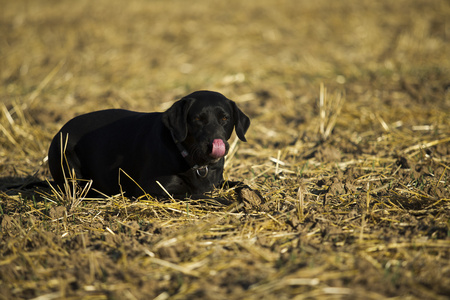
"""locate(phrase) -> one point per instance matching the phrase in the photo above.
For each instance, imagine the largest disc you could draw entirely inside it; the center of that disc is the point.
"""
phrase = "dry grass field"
(348, 154)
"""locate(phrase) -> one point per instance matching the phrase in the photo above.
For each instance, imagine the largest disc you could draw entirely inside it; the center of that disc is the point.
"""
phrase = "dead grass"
(352, 196)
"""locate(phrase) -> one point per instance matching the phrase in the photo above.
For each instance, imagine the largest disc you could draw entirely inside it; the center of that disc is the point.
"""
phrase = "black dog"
(182, 148)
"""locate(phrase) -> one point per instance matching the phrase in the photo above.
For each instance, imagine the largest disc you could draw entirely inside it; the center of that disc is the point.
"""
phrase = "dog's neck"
(202, 171)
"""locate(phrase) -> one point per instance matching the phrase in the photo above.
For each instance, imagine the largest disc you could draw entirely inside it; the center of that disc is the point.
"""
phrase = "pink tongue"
(218, 148)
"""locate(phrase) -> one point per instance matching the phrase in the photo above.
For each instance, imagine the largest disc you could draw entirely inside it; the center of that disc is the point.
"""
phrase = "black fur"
(112, 146)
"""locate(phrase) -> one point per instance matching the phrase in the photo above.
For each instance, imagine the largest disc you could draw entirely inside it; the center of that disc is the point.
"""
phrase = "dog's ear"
(241, 121)
(175, 118)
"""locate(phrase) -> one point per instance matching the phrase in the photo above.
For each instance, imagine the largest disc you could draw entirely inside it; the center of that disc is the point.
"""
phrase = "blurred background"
(356, 189)
(59, 59)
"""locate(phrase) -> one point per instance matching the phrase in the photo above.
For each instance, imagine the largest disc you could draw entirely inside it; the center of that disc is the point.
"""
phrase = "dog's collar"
(202, 171)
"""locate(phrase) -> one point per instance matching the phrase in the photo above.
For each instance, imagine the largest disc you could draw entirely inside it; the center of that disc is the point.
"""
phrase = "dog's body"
(182, 148)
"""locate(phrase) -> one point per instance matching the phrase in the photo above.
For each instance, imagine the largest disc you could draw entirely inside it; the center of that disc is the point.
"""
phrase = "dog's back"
(68, 137)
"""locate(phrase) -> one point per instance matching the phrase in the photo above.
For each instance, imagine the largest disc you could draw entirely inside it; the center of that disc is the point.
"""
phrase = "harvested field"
(348, 154)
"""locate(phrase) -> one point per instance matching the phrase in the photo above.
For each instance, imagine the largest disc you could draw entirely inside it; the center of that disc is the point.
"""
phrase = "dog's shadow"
(14, 185)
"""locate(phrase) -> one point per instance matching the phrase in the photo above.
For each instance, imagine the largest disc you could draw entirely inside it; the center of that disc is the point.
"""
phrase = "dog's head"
(203, 121)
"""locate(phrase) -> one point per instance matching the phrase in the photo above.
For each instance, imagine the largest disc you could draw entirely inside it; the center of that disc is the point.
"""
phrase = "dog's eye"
(224, 118)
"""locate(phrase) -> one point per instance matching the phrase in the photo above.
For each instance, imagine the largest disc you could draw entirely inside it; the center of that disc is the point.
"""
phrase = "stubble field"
(348, 154)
